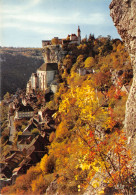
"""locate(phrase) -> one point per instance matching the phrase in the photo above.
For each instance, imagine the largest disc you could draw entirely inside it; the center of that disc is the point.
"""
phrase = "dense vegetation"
(89, 145)
(17, 64)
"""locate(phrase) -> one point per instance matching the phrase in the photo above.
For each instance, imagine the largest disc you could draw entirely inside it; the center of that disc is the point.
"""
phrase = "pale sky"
(25, 23)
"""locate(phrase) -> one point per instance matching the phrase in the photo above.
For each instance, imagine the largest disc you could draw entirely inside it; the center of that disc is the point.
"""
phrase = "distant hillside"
(17, 64)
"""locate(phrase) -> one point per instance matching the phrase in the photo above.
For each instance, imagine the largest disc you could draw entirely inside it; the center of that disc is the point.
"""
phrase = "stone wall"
(123, 13)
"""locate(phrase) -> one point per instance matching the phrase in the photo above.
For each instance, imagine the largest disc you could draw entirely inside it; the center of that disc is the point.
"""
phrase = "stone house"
(33, 149)
(41, 114)
(24, 101)
(24, 112)
(45, 115)
(4, 181)
(54, 87)
(84, 71)
(17, 172)
(24, 140)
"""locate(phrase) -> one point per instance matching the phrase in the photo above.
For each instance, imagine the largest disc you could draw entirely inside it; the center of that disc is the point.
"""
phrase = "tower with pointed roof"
(79, 35)
(78, 32)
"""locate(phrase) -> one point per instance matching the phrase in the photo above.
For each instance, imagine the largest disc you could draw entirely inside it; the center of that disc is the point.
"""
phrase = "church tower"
(78, 32)
(79, 35)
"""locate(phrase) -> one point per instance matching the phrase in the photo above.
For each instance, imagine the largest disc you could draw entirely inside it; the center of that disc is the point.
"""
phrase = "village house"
(54, 86)
(45, 115)
(84, 71)
(17, 172)
(33, 149)
(24, 112)
(4, 181)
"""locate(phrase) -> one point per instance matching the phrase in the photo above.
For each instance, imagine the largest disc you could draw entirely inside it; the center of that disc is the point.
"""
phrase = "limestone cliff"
(123, 13)
(53, 53)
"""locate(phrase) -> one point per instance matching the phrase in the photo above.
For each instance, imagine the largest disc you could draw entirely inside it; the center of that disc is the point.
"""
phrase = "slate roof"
(16, 169)
(73, 35)
(27, 108)
(48, 67)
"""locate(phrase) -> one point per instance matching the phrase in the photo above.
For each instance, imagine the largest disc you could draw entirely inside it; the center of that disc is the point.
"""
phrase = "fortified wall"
(123, 13)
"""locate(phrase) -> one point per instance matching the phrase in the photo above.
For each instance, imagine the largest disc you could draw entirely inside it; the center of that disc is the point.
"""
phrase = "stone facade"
(24, 112)
(123, 13)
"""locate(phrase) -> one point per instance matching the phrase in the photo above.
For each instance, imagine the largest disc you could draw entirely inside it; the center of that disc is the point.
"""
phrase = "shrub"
(47, 164)
(89, 62)
(39, 185)
(35, 131)
(5, 190)
(52, 137)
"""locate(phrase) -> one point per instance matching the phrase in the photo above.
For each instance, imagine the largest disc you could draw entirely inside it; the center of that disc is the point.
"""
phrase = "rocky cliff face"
(123, 13)
(53, 53)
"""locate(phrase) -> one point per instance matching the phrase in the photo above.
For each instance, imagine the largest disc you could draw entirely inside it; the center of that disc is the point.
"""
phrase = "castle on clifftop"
(44, 78)
(73, 38)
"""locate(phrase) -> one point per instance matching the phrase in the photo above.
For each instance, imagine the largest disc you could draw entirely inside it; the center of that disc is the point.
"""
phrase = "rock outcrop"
(53, 53)
(123, 13)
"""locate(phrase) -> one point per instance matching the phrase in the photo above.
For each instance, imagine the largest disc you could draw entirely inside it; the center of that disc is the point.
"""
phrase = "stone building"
(73, 38)
(24, 112)
(43, 78)
(46, 74)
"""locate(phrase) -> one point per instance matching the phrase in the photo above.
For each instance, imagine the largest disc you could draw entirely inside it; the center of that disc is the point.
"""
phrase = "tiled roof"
(73, 35)
(27, 108)
(48, 67)
(16, 169)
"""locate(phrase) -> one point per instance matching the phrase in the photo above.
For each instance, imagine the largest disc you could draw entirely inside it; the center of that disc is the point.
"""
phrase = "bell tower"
(79, 35)
(78, 32)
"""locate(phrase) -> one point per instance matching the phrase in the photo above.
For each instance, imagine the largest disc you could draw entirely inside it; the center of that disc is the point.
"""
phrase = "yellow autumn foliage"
(43, 163)
(89, 62)
(95, 183)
